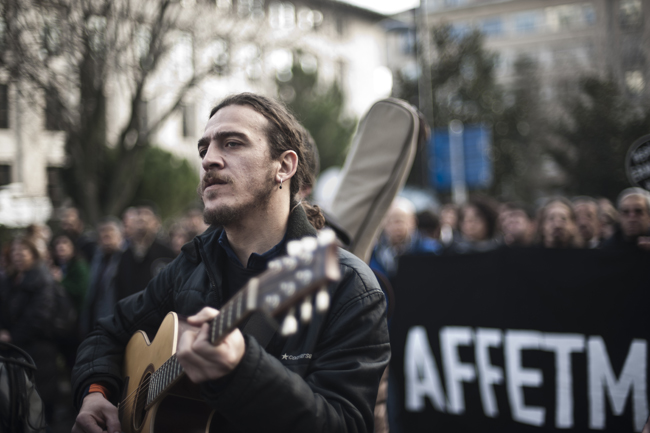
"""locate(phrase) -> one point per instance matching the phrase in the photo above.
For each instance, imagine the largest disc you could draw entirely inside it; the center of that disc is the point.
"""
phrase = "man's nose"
(213, 157)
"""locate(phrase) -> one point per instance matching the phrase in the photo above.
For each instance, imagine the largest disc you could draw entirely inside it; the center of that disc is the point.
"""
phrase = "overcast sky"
(387, 7)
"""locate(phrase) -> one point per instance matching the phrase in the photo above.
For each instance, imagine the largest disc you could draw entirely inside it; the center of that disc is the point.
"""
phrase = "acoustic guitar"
(158, 397)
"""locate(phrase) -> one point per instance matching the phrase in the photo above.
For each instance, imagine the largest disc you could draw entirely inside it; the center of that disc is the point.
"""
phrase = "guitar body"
(181, 409)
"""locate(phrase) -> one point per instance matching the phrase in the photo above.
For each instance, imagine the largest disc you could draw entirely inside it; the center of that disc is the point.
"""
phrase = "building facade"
(565, 38)
(340, 41)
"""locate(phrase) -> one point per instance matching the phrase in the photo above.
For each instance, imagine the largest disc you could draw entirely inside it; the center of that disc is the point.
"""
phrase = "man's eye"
(231, 144)
(202, 153)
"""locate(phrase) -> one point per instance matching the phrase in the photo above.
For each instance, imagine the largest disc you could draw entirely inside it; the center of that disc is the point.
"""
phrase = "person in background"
(448, 223)
(130, 223)
(40, 235)
(178, 236)
(145, 257)
(70, 269)
(588, 219)
(193, 223)
(634, 210)
(71, 224)
(517, 225)
(428, 224)
(27, 294)
(101, 296)
(609, 218)
(477, 222)
(557, 225)
(400, 236)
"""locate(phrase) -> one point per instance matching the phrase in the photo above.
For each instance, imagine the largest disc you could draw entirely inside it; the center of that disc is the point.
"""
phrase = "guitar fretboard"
(232, 313)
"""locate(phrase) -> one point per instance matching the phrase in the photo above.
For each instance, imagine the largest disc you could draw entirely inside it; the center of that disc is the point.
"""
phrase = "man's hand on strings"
(97, 415)
(199, 358)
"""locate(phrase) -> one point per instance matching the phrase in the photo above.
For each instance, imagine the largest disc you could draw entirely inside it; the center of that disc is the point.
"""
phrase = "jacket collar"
(298, 226)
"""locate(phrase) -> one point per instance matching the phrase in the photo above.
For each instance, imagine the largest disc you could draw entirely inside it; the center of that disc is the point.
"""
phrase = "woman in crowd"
(477, 222)
(70, 269)
(27, 295)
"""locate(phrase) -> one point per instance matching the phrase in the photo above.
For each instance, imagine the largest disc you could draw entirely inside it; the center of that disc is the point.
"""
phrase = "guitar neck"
(232, 314)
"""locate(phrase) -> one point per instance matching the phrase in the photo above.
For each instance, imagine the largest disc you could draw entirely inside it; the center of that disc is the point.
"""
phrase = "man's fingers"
(185, 343)
(205, 315)
(86, 424)
(113, 423)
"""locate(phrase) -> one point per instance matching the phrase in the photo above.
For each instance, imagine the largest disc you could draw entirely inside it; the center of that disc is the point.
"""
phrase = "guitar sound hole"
(139, 412)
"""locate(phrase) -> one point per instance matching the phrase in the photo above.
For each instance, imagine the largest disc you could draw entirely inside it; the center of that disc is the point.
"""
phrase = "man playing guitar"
(324, 378)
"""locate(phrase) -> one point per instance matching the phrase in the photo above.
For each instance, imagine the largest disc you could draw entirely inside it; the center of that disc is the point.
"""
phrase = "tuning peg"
(309, 243)
(290, 324)
(289, 263)
(326, 237)
(306, 310)
(322, 300)
(274, 265)
(305, 276)
(294, 248)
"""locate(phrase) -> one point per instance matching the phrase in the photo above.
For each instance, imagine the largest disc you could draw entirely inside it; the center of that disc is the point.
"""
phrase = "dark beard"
(226, 215)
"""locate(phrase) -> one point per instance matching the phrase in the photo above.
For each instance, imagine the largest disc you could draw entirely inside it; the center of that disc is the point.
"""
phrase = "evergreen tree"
(603, 123)
(320, 109)
(168, 181)
(464, 88)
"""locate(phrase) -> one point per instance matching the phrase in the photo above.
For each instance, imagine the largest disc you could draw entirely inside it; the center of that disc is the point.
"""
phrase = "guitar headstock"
(310, 265)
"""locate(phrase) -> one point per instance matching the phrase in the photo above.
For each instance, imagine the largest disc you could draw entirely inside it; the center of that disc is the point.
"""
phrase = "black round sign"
(637, 163)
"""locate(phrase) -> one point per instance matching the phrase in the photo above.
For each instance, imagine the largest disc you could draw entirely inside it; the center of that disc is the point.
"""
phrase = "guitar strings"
(137, 390)
(145, 383)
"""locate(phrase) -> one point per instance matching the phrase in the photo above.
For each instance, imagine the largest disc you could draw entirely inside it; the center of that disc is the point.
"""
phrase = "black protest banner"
(522, 341)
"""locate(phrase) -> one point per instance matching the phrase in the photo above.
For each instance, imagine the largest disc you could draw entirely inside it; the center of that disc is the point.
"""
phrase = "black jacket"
(133, 274)
(27, 307)
(331, 390)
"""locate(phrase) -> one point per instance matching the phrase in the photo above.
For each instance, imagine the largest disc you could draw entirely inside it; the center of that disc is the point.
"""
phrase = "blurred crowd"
(92, 269)
(484, 224)
(58, 280)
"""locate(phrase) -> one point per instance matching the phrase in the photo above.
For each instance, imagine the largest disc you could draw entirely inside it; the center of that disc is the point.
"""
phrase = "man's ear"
(288, 165)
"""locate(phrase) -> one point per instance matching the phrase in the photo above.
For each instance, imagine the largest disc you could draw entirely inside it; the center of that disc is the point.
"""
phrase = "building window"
(526, 22)
(630, 14)
(340, 26)
(282, 16)
(407, 42)
(52, 112)
(492, 26)
(51, 37)
(96, 28)
(218, 54)
(54, 186)
(635, 82)
(225, 5)
(460, 29)
(3, 34)
(5, 174)
(4, 106)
